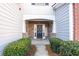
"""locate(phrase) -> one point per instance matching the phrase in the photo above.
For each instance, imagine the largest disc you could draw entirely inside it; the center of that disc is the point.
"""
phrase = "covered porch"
(39, 28)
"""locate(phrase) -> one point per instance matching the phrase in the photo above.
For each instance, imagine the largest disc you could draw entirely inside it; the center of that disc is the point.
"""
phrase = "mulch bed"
(50, 52)
(32, 51)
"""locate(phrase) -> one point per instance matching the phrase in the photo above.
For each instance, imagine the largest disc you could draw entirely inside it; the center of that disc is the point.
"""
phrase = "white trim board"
(71, 21)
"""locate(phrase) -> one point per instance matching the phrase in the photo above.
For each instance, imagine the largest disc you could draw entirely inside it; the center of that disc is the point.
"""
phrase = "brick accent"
(76, 21)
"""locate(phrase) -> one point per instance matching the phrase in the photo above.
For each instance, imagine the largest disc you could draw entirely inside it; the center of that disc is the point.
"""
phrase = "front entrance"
(39, 31)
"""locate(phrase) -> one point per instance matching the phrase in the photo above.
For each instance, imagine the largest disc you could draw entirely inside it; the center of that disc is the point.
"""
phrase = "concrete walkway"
(41, 50)
(40, 46)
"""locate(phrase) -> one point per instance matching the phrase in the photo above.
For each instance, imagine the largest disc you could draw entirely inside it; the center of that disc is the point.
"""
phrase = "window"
(40, 4)
(46, 4)
(33, 3)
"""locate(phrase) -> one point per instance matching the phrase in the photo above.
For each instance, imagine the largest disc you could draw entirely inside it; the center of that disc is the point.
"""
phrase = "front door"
(39, 31)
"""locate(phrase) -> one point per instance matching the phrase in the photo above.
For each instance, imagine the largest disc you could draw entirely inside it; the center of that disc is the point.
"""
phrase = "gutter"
(53, 4)
(56, 5)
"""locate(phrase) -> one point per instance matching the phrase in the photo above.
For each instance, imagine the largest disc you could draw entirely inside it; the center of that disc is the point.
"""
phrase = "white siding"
(62, 21)
(10, 24)
(36, 10)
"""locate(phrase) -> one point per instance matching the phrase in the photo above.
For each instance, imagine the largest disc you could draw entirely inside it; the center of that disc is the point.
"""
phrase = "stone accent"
(31, 27)
(53, 35)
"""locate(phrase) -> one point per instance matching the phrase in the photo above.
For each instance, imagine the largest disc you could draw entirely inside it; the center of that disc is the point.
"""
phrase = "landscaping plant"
(18, 48)
(65, 48)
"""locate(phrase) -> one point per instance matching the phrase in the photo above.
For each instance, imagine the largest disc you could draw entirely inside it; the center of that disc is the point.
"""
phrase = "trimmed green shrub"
(18, 48)
(55, 44)
(65, 48)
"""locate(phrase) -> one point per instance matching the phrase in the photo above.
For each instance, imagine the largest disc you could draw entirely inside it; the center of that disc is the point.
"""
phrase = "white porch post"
(44, 31)
(35, 30)
(24, 28)
(54, 27)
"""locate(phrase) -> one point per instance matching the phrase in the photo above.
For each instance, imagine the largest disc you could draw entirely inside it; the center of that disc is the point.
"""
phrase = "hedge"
(18, 48)
(65, 48)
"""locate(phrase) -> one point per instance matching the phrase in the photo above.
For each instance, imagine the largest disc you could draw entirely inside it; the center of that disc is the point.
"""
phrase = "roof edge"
(56, 5)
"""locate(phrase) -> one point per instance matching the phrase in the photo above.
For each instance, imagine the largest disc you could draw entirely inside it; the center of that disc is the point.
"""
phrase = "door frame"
(35, 30)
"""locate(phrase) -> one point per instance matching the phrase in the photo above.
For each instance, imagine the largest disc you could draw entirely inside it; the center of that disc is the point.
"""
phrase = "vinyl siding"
(62, 22)
(10, 24)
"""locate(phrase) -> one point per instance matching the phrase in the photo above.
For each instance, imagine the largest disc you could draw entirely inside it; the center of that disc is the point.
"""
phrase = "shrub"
(65, 48)
(55, 44)
(18, 48)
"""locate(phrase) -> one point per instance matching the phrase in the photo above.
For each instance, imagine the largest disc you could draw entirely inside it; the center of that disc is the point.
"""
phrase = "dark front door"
(39, 31)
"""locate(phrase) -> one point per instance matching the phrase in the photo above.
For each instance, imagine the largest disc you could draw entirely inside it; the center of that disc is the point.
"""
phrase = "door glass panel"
(39, 31)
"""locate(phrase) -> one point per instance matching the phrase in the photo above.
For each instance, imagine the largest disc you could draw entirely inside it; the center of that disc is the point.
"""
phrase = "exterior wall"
(76, 21)
(62, 21)
(10, 24)
(36, 10)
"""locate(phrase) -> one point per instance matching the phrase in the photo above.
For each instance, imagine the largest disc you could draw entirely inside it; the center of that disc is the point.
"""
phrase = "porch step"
(40, 42)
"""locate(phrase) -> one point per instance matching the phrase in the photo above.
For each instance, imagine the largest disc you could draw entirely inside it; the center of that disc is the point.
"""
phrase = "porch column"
(44, 31)
(35, 30)
(24, 29)
(54, 29)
